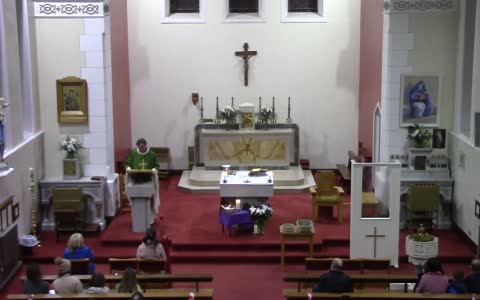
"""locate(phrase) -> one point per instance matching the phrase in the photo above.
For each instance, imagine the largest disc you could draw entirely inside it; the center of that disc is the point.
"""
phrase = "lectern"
(140, 187)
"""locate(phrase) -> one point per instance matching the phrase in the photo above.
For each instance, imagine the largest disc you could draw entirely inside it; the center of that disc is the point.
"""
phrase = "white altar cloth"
(242, 185)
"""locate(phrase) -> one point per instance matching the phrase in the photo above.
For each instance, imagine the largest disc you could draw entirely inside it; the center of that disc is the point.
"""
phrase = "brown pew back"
(295, 295)
(358, 264)
(206, 294)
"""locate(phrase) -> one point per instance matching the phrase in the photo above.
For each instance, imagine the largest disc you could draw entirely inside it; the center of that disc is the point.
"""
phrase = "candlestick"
(34, 209)
(274, 120)
(232, 102)
(217, 112)
(289, 120)
(238, 203)
(201, 109)
(259, 103)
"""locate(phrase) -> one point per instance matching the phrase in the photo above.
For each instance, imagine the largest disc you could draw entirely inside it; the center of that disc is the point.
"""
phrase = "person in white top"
(151, 248)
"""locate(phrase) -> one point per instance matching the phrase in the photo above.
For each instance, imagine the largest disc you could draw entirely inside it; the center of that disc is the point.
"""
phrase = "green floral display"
(418, 135)
(266, 114)
(228, 114)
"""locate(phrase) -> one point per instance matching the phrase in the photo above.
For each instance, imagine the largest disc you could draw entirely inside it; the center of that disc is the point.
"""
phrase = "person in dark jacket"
(457, 284)
(473, 280)
(34, 283)
(335, 280)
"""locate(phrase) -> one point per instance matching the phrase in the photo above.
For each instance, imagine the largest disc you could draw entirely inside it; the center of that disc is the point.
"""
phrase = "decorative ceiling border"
(69, 9)
(419, 6)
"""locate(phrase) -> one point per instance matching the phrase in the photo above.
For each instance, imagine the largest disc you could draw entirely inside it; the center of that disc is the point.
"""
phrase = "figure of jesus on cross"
(245, 55)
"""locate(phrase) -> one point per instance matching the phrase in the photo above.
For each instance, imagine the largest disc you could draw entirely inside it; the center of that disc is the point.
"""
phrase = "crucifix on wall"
(375, 236)
(245, 55)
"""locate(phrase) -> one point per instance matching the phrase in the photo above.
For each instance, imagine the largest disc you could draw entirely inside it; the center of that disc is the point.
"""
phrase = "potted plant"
(419, 136)
(266, 114)
(228, 114)
(71, 145)
(260, 214)
(420, 246)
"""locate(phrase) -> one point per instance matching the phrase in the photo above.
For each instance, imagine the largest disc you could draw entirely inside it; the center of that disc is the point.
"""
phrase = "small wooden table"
(296, 235)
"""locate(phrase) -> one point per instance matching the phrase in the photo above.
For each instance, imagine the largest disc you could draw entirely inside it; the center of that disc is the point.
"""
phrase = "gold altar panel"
(246, 150)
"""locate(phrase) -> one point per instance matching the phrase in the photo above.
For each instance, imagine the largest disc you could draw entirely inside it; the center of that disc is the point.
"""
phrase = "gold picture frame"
(72, 104)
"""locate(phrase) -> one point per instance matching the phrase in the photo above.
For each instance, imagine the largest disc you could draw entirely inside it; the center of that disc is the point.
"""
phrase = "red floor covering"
(199, 246)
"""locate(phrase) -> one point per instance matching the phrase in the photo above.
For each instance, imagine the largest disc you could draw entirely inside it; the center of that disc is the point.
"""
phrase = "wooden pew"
(144, 278)
(161, 295)
(358, 279)
(290, 294)
(358, 264)
(118, 265)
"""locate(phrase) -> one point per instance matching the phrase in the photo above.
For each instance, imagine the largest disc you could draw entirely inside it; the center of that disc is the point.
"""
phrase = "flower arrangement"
(228, 114)
(71, 145)
(260, 213)
(419, 135)
(421, 235)
(266, 114)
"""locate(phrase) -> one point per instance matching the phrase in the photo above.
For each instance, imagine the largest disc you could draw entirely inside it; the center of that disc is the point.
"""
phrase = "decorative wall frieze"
(68, 9)
(419, 6)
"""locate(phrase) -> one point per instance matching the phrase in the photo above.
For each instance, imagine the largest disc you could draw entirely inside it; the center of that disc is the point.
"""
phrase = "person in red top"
(433, 279)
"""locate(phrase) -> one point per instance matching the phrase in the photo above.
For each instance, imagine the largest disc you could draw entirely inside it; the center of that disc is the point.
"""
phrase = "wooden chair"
(68, 210)
(423, 201)
(80, 266)
(163, 158)
(326, 194)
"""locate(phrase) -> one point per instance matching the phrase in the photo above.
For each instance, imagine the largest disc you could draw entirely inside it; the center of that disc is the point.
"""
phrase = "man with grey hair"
(473, 280)
(335, 280)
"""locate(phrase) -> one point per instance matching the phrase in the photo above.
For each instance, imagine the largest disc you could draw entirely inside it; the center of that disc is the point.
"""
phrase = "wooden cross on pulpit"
(245, 55)
(375, 236)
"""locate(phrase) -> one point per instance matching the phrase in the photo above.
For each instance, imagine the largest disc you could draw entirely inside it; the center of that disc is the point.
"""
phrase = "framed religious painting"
(72, 104)
(420, 99)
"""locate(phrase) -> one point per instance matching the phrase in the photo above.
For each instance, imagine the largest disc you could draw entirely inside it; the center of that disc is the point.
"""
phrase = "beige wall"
(58, 52)
(316, 64)
(435, 51)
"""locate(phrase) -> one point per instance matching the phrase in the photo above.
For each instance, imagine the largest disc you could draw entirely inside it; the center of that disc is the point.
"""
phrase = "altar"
(273, 146)
(241, 185)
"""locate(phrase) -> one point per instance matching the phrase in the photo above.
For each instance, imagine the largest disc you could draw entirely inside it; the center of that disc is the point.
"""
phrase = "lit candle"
(237, 203)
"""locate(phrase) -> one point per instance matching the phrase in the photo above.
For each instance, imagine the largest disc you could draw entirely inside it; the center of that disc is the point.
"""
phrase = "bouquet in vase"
(266, 114)
(228, 114)
(418, 135)
(260, 214)
(71, 145)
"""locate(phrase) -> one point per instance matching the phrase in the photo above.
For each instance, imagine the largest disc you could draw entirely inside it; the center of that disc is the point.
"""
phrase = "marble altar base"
(292, 180)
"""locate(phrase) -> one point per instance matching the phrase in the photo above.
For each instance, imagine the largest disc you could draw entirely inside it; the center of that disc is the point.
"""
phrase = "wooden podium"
(140, 189)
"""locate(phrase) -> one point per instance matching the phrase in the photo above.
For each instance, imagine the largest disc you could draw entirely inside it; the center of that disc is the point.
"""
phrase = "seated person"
(335, 280)
(137, 296)
(457, 284)
(473, 280)
(128, 284)
(151, 248)
(66, 283)
(141, 158)
(76, 249)
(433, 279)
(34, 283)
(97, 284)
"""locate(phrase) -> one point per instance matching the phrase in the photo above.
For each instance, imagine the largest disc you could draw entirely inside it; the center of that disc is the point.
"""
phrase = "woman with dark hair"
(151, 248)
(97, 284)
(137, 296)
(34, 283)
(433, 279)
(128, 284)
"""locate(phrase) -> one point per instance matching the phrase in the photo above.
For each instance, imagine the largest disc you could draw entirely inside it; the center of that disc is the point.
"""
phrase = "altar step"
(201, 180)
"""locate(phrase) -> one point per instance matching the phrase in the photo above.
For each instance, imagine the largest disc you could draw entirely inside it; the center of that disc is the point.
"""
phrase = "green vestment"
(142, 161)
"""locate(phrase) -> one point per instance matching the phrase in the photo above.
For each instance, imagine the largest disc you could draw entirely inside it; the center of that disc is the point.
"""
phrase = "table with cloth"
(235, 217)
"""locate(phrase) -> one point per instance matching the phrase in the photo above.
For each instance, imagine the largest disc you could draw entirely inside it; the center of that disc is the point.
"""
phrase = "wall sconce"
(194, 98)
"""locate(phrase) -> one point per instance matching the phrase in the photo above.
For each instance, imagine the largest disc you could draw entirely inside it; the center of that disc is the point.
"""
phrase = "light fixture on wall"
(194, 98)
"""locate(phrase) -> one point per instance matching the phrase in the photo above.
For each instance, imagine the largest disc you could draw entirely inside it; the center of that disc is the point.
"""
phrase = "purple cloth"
(237, 217)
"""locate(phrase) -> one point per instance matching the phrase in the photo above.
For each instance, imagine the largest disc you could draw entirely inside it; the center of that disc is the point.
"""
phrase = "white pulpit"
(140, 195)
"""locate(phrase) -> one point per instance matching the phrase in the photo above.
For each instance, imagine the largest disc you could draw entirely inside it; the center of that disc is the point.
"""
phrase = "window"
(302, 6)
(184, 6)
(467, 68)
(244, 11)
(246, 6)
(303, 11)
(183, 11)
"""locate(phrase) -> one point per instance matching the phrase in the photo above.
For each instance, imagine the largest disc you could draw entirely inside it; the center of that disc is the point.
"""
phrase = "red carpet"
(191, 221)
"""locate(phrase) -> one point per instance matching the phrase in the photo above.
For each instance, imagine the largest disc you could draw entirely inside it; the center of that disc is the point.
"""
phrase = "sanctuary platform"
(291, 180)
